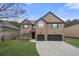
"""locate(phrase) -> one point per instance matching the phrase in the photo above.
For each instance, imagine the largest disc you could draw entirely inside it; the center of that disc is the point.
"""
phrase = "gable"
(50, 17)
(26, 22)
(40, 21)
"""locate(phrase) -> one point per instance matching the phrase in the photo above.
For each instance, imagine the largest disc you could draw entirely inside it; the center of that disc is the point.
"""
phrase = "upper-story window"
(41, 25)
(33, 26)
(26, 26)
(54, 26)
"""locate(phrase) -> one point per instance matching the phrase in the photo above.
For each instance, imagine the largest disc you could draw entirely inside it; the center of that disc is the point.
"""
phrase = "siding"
(72, 31)
(51, 18)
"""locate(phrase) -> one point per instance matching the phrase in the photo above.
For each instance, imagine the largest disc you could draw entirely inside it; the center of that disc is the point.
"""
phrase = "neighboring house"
(72, 31)
(49, 27)
(8, 31)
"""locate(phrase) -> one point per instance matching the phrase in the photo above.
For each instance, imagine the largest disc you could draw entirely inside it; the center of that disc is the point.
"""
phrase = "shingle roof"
(29, 21)
(6, 24)
(32, 21)
(52, 14)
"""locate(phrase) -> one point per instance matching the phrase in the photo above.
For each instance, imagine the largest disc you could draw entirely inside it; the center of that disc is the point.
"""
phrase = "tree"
(8, 10)
(68, 23)
(15, 23)
(5, 6)
(73, 22)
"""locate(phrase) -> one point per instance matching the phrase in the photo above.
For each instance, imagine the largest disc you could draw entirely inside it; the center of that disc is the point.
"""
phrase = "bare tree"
(4, 6)
(8, 10)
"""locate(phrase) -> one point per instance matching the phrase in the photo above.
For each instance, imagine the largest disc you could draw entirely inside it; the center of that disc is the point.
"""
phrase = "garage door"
(54, 37)
(40, 37)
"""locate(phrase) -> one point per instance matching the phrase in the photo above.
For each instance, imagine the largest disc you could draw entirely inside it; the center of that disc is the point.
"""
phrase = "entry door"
(40, 37)
(33, 35)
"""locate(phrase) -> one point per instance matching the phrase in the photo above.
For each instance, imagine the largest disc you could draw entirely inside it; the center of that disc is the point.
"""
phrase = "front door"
(33, 35)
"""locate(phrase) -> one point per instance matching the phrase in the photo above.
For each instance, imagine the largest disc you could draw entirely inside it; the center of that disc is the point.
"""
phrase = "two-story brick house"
(49, 27)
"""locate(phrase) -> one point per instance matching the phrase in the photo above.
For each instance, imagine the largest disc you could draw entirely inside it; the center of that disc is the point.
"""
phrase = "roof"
(40, 19)
(52, 14)
(26, 20)
(6, 24)
(34, 21)
(30, 21)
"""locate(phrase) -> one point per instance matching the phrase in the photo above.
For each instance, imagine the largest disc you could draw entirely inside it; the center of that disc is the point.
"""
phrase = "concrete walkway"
(56, 48)
(33, 40)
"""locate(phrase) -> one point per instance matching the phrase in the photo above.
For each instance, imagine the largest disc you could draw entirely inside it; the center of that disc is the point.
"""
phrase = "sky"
(64, 11)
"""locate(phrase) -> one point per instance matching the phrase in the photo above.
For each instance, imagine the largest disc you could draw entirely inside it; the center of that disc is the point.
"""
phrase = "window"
(54, 25)
(41, 25)
(26, 26)
(25, 34)
(33, 26)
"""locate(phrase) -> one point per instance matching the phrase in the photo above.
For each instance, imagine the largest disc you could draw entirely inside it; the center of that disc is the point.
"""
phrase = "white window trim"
(40, 25)
(26, 26)
(55, 26)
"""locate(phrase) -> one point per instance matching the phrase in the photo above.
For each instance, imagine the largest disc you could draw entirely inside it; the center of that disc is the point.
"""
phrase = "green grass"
(17, 48)
(72, 41)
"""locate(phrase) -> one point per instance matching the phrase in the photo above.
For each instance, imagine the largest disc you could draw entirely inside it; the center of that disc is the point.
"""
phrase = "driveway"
(56, 48)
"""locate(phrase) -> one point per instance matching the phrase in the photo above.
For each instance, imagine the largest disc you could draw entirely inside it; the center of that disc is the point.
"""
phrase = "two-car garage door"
(54, 37)
(41, 37)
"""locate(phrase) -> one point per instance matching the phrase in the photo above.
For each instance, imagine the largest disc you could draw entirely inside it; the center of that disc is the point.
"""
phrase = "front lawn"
(72, 41)
(17, 48)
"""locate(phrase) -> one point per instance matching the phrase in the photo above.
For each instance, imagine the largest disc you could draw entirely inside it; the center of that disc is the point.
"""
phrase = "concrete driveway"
(56, 48)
